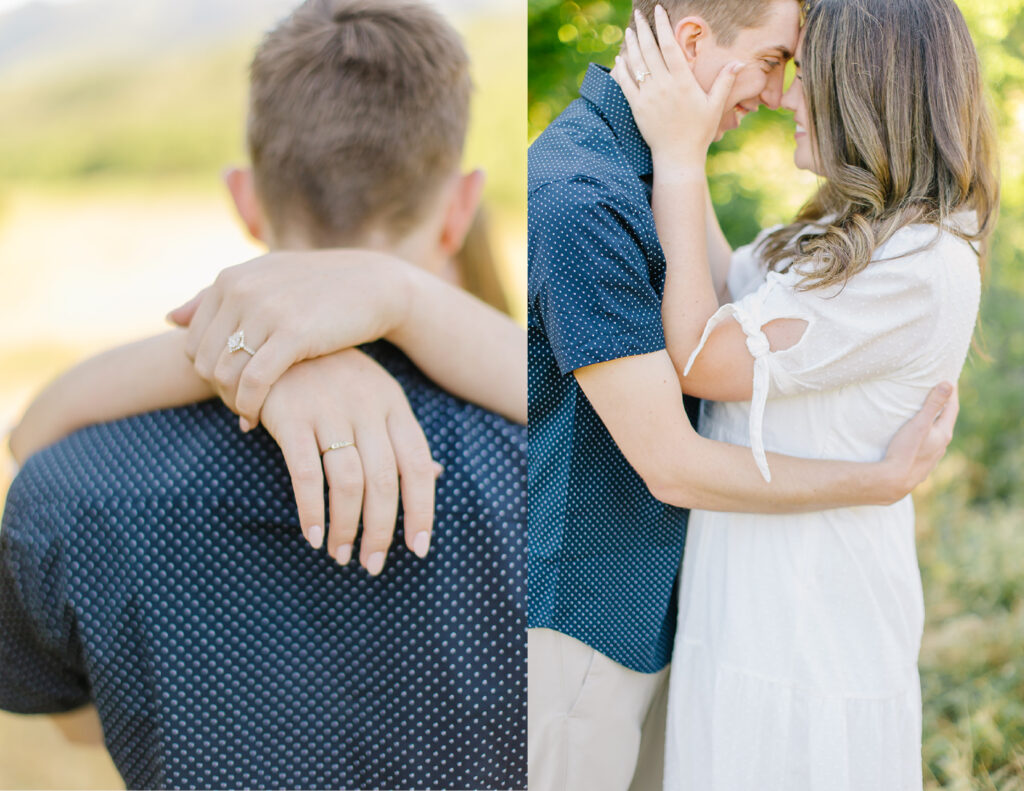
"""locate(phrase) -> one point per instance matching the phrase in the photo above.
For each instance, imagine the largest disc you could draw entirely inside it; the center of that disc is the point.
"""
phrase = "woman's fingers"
(229, 370)
(299, 446)
(719, 93)
(344, 471)
(620, 73)
(182, 315)
(273, 357)
(670, 49)
(209, 306)
(946, 421)
(648, 46)
(215, 340)
(634, 58)
(380, 495)
(417, 478)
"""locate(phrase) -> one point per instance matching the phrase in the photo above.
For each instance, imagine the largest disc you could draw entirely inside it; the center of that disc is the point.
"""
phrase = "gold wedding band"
(338, 446)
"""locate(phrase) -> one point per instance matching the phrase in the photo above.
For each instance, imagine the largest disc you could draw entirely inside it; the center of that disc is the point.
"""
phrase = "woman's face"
(806, 156)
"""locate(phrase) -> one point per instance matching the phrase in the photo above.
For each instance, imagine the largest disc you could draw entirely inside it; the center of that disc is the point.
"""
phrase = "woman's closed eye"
(770, 64)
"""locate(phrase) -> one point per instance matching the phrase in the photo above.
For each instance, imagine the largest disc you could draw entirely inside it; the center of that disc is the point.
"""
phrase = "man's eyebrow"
(780, 50)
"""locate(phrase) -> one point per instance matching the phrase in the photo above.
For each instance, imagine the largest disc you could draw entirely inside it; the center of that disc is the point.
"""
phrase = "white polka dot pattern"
(603, 553)
(155, 565)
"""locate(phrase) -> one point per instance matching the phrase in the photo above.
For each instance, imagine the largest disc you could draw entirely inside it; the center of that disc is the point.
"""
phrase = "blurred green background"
(116, 118)
(971, 512)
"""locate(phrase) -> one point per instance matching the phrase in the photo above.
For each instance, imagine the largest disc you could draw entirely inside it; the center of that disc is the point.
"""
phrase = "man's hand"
(921, 443)
(291, 306)
(346, 397)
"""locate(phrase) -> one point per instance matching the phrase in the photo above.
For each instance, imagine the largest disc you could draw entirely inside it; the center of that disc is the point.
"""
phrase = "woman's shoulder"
(938, 255)
(946, 240)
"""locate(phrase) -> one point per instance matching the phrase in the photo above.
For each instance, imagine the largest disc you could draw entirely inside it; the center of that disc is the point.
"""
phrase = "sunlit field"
(112, 213)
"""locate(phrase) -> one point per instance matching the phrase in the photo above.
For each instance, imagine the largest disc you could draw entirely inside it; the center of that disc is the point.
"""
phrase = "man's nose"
(771, 96)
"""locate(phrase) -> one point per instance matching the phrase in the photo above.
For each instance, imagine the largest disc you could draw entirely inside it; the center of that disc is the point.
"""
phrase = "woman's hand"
(677, 118)
(344, 398)
(289, 306)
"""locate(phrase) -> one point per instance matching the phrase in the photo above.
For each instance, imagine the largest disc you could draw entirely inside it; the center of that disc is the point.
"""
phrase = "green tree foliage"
(972, 513)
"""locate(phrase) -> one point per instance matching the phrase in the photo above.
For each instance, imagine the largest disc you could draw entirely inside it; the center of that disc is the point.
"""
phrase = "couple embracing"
(824, 353)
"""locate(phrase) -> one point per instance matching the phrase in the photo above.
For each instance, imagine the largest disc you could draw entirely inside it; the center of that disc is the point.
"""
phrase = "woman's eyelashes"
(770, 65)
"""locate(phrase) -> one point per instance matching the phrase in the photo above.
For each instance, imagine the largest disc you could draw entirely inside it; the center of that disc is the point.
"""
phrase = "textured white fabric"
(795, 660)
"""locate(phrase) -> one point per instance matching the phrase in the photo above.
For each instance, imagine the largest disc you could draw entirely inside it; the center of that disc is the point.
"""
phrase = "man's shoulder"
(579, 147)
(165, 453)
(440, 413)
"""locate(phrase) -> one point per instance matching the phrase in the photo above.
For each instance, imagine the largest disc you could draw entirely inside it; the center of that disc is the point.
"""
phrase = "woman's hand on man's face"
(676, 116)
(343, 398)
(288, 307)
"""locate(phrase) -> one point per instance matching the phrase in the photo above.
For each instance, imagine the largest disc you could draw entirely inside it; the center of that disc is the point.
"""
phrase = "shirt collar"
(605, 94)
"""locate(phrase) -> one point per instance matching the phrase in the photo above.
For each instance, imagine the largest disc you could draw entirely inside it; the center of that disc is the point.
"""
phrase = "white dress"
(795, 660)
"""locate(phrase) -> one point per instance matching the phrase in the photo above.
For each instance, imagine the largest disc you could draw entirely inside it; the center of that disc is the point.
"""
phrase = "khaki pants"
(594, 724)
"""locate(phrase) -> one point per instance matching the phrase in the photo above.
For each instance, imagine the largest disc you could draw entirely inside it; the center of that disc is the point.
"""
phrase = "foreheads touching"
(713, 33)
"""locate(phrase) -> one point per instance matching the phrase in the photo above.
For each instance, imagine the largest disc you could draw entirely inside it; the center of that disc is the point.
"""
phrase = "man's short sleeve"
(41, 665)
(591, 284)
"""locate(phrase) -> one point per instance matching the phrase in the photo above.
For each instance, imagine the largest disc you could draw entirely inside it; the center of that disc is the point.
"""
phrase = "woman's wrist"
(405, 287)
(678, 167)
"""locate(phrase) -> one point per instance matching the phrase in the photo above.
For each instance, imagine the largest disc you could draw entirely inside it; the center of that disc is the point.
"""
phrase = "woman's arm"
(678, 120)
(295, 306)
(344, 396)
(149, 374)
(719, 249)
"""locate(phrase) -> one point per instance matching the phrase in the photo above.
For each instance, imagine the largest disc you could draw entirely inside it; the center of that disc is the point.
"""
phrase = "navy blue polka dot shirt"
(155, 567)
(603, 553)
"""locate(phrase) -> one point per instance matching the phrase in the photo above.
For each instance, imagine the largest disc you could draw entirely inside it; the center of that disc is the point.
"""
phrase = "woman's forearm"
(464, 345)
(680, 204)
(719, 249)
(153, 373)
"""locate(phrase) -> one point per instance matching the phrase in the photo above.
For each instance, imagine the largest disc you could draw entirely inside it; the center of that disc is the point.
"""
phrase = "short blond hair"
(726, 18)
(358, 111)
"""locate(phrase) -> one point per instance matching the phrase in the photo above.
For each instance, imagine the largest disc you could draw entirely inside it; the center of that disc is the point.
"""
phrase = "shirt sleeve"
(591, 283)
(876, 326)
(41, 663)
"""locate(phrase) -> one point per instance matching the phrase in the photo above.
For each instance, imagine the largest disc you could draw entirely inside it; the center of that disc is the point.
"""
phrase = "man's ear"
(692, 33)
(461, 210)
(241, 185)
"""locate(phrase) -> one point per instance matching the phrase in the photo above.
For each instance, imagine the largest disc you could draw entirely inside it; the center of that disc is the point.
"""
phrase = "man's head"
(712, 33)
(357, 118)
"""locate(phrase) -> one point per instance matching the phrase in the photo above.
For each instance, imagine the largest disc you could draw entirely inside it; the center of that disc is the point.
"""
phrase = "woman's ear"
(242, 186)
(462, 207)
(692, 33)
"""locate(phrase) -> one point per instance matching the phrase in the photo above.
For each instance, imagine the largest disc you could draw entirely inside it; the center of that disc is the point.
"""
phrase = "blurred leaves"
(971, 514)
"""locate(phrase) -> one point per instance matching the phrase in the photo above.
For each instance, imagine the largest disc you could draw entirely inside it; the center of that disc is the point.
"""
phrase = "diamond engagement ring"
(338, 446)
(236, 343)
(642, 75)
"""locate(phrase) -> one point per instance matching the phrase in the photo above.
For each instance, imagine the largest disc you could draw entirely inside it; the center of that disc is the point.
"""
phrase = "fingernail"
(343, 554)
(421, 544)
(375, 563)
(945, 390)
(316, 536)
(737, 66)
(244, 425)
(438, 470)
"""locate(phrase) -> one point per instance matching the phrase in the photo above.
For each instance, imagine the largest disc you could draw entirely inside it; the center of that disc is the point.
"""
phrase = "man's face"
(765, 49)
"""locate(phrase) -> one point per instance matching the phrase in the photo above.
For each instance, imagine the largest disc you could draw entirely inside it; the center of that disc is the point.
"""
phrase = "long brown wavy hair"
(904, 135)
